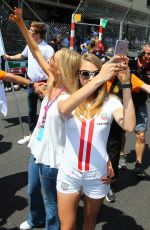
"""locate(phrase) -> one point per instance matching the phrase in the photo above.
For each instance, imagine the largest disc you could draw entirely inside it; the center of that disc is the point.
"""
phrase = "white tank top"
(86, 140)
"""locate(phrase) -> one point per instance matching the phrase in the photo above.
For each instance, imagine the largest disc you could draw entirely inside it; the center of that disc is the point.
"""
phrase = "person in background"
(142, 71)
(35, 73)
(83, 49)
(66, 42)
(116, 136)
(77, 42)
(56, 43)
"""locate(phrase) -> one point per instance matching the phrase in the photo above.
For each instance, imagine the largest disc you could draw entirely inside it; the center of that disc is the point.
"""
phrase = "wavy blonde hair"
(69, 64)
(100, 93)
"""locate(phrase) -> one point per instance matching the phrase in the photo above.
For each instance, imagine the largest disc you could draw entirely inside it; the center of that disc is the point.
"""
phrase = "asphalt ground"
(131, 211)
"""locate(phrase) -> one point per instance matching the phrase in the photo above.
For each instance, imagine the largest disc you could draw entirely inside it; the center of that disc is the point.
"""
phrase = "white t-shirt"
(86, 140)
(49, 150)
(3, 99)
(35, 72)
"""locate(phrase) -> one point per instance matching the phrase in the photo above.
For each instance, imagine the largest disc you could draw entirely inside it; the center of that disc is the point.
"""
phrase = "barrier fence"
(123, 22)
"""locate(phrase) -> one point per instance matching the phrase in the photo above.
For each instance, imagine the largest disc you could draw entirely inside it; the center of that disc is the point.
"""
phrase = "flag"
(104, 23)
(3, 100)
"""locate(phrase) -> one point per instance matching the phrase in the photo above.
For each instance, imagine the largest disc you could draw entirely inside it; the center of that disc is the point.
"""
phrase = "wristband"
(2, 74)
(126, 85)
(31, 83)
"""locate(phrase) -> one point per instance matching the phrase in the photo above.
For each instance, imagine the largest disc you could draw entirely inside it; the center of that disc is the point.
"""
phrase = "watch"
(31, 83)
(126, 85)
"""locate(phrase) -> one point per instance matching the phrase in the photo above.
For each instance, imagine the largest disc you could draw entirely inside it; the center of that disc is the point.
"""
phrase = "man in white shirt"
(35, 73)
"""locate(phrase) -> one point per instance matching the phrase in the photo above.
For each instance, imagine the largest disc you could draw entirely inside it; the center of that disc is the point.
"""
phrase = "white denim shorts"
(70, 180)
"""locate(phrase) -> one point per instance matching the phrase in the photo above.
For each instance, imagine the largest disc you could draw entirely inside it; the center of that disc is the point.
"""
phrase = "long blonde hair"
(100, 93)
(69, 64)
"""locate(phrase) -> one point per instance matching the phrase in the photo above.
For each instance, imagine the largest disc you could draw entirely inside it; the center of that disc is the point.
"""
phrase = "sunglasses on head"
(85, 74)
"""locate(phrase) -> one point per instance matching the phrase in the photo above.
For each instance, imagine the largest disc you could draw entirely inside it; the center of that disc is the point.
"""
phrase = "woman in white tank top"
(88, 113)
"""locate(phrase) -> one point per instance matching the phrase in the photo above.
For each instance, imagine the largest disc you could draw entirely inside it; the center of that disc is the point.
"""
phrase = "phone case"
(121, 48)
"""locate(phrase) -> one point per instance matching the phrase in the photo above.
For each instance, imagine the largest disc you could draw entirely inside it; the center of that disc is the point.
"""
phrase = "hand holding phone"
(121, 48)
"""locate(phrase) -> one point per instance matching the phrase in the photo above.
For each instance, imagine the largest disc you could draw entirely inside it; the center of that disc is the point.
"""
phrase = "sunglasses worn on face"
(147, 53)
(85, 74)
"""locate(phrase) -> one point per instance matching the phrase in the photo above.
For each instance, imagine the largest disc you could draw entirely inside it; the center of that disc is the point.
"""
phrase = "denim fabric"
(32, 99)
(48, 177)
(36, 204)
(141, 118)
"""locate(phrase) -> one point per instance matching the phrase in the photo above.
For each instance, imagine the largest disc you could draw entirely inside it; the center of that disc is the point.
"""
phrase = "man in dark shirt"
(116, 133)
(142, 71)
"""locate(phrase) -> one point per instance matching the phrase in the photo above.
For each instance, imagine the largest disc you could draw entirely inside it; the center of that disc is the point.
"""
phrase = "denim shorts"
(70, 180)
(141, 118)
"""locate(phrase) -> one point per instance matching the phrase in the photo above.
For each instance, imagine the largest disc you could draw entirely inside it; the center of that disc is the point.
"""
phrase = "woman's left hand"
(110, 174)
(124, 74)
(39, 88)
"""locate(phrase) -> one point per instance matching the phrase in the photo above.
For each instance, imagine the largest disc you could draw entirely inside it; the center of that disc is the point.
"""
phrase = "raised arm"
(126, 117)
(17, 18)
(107, 71)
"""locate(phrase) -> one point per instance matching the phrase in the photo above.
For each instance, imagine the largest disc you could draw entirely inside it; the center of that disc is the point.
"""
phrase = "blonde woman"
(48, 138)
(88, 114)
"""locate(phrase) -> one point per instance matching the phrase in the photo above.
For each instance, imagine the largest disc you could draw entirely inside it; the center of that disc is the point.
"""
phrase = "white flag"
(3, 100)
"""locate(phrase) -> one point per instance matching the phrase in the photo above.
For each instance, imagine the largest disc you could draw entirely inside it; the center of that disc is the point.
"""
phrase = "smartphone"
(121, 48)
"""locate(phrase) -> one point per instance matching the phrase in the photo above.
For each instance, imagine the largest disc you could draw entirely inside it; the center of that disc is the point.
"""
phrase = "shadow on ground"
(112, 219)
(4, 146)
(123, 181)
(15, 121)
(9, 201)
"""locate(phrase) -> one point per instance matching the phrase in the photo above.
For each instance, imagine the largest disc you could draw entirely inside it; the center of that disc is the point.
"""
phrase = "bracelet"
(126, 85)
(2, 74)
(31, 83)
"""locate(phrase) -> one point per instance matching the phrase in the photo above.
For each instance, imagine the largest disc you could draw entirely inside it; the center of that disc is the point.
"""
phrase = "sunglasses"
(85, 74)
(146, 53)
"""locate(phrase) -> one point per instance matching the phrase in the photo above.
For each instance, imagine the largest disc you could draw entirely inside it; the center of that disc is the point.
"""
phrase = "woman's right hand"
(110, 174)
(111, 68)
(16, 16)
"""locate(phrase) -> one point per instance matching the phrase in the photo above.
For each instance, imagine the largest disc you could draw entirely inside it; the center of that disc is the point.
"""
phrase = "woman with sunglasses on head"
(88, 113)
(48, 139)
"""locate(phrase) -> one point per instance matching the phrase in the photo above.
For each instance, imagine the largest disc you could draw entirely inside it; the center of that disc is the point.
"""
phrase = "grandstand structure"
(128, 19)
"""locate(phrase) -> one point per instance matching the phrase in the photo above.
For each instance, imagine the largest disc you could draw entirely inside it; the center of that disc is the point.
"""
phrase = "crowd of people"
(77, 140)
